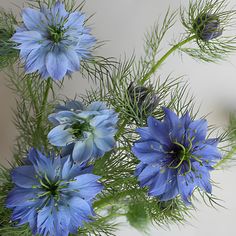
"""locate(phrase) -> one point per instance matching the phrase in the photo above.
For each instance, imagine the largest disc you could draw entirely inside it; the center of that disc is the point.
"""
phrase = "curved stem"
(43, 107)
(158, 64)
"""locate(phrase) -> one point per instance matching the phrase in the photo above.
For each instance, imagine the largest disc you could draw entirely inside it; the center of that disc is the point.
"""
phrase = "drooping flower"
(53, 41)
(85, 133)
(175, 156)
(207, 27)
(143, 99)
(52, 194)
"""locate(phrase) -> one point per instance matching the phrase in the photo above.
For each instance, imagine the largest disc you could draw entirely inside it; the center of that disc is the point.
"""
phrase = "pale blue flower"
(84, 132)
(53, 41)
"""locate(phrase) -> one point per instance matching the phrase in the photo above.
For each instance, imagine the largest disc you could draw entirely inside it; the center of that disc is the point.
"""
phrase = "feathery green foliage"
(122, 196)
(8, 55)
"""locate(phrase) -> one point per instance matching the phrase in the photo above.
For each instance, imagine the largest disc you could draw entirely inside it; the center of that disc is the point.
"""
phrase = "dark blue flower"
(53, 41)
(85, 133)
(52, 194)
(175, 156)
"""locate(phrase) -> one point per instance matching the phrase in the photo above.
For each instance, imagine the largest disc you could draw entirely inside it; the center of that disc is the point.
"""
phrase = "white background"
(124, 23)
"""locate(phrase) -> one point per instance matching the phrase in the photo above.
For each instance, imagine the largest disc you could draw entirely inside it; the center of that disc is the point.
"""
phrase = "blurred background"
(123, 23)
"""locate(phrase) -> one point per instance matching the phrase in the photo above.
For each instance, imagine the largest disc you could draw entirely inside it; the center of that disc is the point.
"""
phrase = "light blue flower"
(53, 41)
(52, 194)
(175, 156)
(85, 133)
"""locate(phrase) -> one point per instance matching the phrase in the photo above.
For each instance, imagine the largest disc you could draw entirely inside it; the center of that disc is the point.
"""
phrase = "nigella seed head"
(142, 98)
(207, 27)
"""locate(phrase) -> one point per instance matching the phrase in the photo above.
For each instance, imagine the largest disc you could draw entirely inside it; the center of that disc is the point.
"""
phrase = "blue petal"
(35, 60)
(163, 183)
(73, 60)
(198, 130)
(64, 117)
(159, 131)
(149, 152)
(105, 143)
(57, 65)
(80, 211)
(87, 185)
(96, 106)
(70, 170)
(83, 150)
(47, 221)
(44, 165)
(24, 176)
(208, 153)
(147, 175)
(176, 126)
(186, 184)
(186, 120)
(75, 21)
(21, 197)
(33, 19)
(58, 12)
(145, 134)
(60, 136)
(29, 39)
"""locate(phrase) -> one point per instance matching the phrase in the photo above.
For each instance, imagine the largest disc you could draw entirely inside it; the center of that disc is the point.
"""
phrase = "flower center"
(56, 33)
(79, 127)
(50, 188)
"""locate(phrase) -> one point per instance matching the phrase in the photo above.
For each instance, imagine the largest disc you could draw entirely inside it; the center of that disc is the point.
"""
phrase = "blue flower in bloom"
(85, 133)
(53, 41)
(52, 194)
(175, 156)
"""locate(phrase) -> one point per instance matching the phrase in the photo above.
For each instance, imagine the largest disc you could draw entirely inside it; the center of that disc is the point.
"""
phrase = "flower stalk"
(159, 63)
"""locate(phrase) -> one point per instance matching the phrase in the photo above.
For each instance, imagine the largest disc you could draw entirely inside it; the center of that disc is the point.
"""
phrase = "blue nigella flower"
(52, 194)
(85, 133)
(175, 156)
(53, 41)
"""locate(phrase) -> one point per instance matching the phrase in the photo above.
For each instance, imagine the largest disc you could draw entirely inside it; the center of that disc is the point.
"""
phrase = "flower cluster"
(175, 156)
(52, 194)
(53, 41)
(85, 133)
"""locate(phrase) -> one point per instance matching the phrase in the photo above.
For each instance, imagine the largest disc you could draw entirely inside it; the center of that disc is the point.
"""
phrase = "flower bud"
(143, 98)
(207, 27)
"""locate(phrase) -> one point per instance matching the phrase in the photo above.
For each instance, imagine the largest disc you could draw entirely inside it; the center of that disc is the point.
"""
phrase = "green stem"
(43, 107)
(35, 103)
(158, 64)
